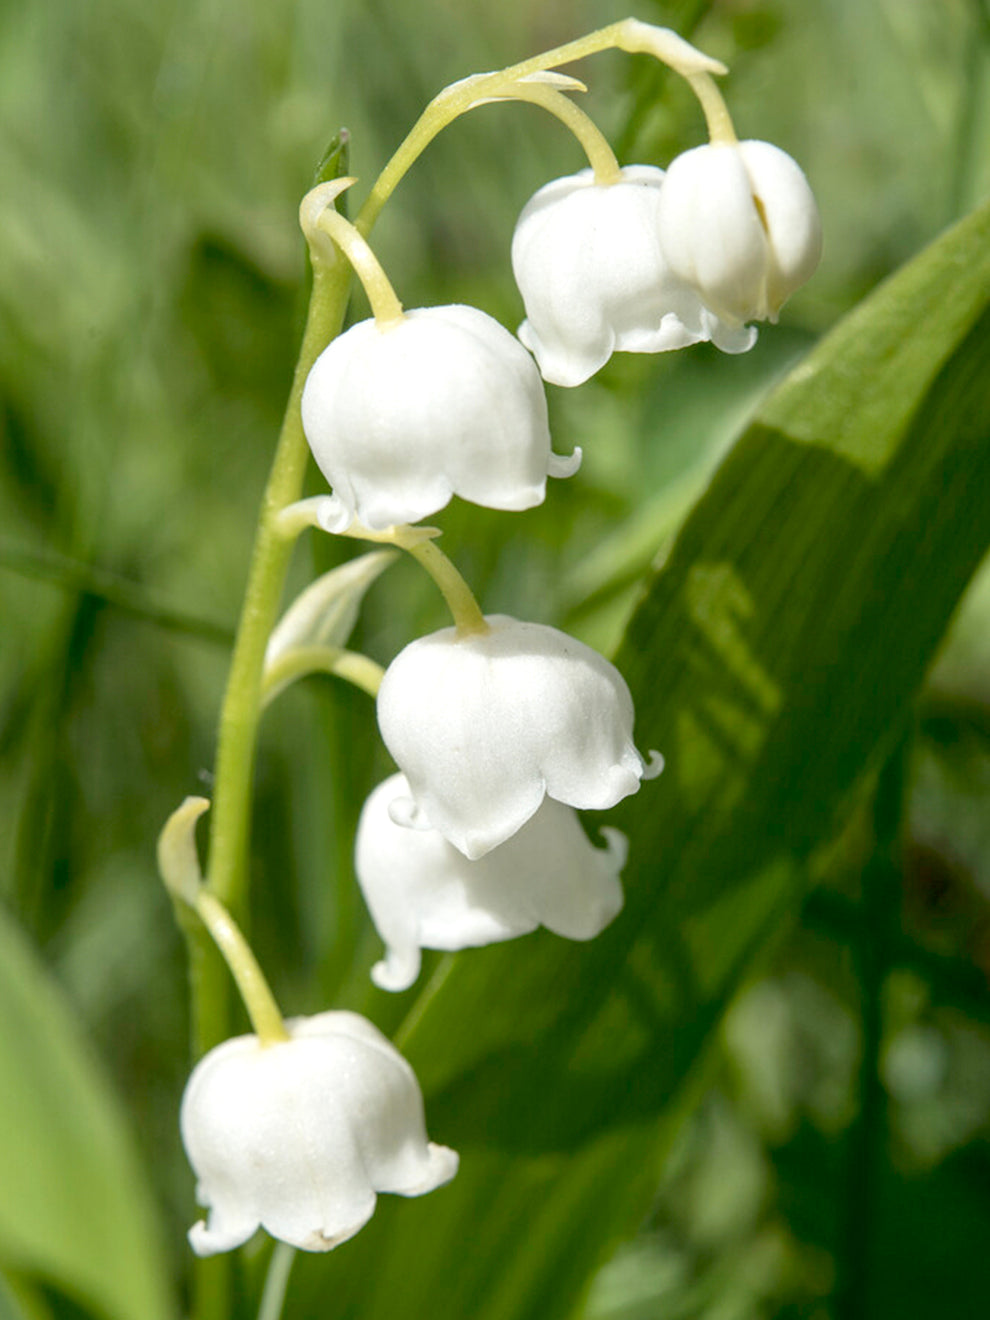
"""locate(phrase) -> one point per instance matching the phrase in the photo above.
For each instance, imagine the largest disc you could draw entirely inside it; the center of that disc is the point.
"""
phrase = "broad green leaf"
(10, 1306)
(773, 660)
(74, 1209)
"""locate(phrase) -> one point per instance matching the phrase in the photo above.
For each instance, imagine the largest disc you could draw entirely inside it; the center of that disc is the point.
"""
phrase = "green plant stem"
(276, 1281)
(465, 610)
(266, 1019)
(600, 155)
(269, 563)
(360, 670)
(628, 35)
(242, 704)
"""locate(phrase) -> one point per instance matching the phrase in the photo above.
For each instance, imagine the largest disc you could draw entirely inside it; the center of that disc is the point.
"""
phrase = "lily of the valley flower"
(444, 401)
(595, 280)
(297, 1137)
(484, 726)
(739, 222)
(424, 894)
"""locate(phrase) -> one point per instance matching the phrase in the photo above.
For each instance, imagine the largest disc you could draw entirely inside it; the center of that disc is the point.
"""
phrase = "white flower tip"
(568, 368)
(206, 1241)
(332, 515)
(616, 848)
(565, 465)
(404, 812)
(443, 1165)
(295, 518)
(398, 970)
(654, 766)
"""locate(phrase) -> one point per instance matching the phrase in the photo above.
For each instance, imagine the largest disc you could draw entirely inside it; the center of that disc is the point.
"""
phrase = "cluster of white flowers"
(500, 728)
(659, 261)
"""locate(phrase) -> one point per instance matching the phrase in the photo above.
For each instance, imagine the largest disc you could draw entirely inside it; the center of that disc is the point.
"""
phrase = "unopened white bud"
(594, 278)
(740, 224)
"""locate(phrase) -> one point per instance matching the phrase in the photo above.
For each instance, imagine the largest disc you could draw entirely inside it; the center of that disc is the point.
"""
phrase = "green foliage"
(150, 296)
(75, 1209)
(775, 659)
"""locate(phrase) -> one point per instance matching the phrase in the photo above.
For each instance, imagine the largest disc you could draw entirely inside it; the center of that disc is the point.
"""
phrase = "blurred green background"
(152, 283)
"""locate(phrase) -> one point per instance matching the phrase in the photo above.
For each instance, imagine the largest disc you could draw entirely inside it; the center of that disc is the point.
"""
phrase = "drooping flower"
(485, 725)
(443, 402)
(595, 280)
(423, 893)
(297, 1137)
(740, 224)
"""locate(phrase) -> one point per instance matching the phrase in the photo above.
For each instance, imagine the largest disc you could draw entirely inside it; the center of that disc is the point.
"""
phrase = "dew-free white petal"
(444, 402)
(423, 893)
(485, 726)
(298, 1137)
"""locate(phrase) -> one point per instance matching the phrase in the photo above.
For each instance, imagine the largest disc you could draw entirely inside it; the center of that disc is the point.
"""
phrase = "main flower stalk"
(242, 706)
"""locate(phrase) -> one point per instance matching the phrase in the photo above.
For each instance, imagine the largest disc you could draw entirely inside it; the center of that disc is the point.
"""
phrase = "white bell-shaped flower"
(443, 402)
(739, 223)
(594, 278)
(423, 893)
(298, 1137)
(485, 725)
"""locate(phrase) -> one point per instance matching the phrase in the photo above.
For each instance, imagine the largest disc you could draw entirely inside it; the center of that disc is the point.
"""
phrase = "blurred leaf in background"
(151, 288)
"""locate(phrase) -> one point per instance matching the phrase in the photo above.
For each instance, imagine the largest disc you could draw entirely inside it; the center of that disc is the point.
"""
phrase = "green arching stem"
(276, 1281)
(178, 863)
(385, 306)
(351, 666)
(239, 957)
(240, 713)
(416, 541)
(468, 618)
(600, 155)
(717, 117)
(629, 35)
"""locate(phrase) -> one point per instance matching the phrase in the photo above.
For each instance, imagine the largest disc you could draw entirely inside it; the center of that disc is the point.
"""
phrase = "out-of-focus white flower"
(594, 278)
(443, 402)
(424, 894)
(740, 224)
(298, 1136)
(485, 725)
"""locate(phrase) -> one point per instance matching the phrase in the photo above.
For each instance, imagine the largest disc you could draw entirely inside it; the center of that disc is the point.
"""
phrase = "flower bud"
(485, 725)
(594, 278)
(298, 1136)
(424, 894)
(443, 402)
(740, 224)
